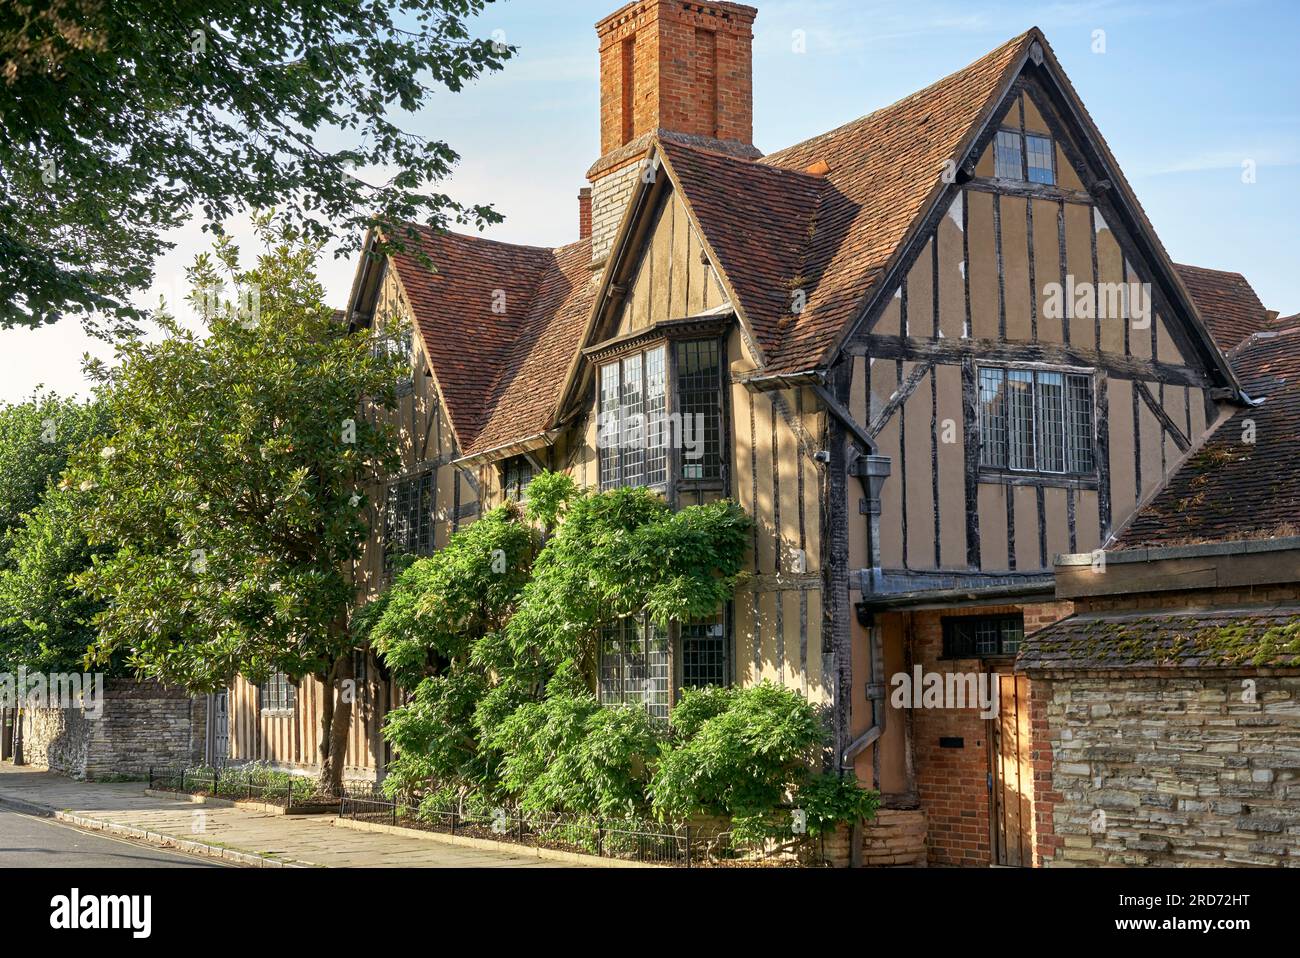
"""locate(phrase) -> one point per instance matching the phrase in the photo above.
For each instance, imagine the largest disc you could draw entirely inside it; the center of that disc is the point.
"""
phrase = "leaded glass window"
(1036, 420)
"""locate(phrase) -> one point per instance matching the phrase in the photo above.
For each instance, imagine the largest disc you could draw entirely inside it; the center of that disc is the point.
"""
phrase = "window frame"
(280, 691)
(1022, 172)
(508, 482)
(392, 491)
(951, 624)
(610, 397)
(1070, 453)
(675, 660)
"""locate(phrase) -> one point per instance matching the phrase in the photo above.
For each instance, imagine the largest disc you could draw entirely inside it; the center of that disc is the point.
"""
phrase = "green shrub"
(831, 800)
(568, 753)
(735, 752)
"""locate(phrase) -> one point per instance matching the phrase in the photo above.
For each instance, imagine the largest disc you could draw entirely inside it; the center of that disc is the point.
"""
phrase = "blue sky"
(1185, 93)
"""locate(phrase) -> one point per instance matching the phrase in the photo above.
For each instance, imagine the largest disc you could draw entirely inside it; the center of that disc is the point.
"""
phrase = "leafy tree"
(231, 487)
(36, 438)
(45, 619)
(118, 120)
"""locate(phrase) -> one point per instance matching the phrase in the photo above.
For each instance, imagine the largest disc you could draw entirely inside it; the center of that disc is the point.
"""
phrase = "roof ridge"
(774, 158)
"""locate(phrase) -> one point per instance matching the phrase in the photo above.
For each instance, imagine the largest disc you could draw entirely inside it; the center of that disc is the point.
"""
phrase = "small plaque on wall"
(952, 742)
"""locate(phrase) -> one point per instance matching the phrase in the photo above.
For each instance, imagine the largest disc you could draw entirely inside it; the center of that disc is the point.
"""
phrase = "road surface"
(30, 842)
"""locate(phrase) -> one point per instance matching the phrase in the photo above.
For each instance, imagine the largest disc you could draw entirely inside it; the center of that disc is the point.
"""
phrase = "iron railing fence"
(627, 839)
(234, 782)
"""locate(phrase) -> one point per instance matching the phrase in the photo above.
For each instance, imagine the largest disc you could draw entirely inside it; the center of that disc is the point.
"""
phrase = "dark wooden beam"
(901, 394)
(1176, 434)
(954, 351)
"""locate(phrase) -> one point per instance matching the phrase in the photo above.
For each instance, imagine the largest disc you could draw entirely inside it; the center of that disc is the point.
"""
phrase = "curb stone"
(191, 846)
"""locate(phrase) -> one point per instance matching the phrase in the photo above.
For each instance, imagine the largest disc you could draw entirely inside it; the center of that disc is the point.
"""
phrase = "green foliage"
(567, 753)
(735, 751)
(830, 800)
(45, 620)
(503, 651)
(36, 438)
(467, 590)
(231, 487)
(435, 737)
(619, 553)
(122, 119)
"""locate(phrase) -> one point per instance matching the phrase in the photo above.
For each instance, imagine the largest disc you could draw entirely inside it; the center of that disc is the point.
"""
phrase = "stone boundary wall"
(142, 724)
(1166, 769)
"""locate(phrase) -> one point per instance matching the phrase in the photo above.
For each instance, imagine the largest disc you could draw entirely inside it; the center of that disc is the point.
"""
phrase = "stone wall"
(1169, 769)
(896, 836)
(142, 724)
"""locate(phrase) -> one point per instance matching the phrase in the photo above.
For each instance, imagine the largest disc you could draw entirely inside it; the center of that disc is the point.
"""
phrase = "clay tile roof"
(884, 172)
(758, 220)
(1261, 637)
(527, 392)
(1230, 489)
(1227, 303)
(482, 312)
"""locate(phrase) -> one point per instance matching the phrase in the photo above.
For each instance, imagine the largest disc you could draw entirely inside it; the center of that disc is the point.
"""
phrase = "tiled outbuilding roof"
(1227, 303)
(1260, 637)
(1243, 483)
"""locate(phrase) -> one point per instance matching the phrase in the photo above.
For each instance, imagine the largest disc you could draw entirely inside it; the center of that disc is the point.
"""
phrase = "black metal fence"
(235, 783)
(632, 840)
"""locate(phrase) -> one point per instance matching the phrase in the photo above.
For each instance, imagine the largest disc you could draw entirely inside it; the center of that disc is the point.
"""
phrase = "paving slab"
(238, 835)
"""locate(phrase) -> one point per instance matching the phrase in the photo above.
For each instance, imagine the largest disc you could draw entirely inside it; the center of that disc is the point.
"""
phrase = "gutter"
(528, 444)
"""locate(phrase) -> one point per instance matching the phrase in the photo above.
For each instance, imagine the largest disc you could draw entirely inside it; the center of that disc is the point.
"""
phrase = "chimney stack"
(584, 213)
(680, 67)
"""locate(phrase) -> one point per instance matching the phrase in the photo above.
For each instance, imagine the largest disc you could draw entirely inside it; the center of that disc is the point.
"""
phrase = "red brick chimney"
(677, 66)
(584, 212)
(674, 66)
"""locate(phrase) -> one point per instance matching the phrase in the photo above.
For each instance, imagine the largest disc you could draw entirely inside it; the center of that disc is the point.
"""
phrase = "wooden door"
(220, 750)
(1012, 774)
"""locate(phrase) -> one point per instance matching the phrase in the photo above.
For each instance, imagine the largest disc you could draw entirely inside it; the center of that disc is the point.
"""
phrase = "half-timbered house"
(927, 351)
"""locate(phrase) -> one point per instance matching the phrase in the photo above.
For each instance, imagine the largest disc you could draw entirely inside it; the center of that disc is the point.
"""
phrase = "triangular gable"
(496, 321)
(752, 222)
(884, 173)
(886, 194)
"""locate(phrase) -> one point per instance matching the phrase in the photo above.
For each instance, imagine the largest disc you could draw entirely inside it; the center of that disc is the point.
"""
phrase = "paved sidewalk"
(234, 834)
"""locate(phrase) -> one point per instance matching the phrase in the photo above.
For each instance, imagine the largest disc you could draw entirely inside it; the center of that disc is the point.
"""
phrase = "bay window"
(645, 427)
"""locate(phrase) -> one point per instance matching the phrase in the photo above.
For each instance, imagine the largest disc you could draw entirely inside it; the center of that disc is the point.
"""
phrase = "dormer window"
(1024, 156)
(650, 432)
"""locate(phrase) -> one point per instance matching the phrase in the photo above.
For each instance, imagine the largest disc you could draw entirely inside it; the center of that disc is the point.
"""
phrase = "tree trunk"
(335, 721)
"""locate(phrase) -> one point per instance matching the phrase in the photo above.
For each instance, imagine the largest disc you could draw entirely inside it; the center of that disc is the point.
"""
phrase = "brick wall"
(952, 783)
(680, 67)
(1184, 770)
(142, 724)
